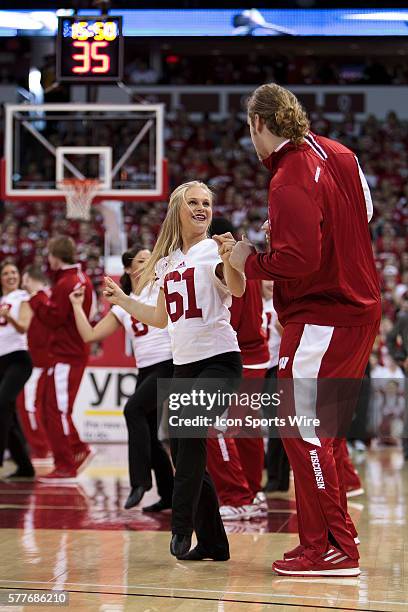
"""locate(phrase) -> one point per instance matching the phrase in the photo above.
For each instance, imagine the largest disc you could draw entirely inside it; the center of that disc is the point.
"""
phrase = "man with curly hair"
(327, 297)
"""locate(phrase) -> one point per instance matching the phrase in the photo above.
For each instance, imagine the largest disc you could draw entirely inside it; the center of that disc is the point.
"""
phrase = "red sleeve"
(54, 311)
(236, 312)
(295, 237)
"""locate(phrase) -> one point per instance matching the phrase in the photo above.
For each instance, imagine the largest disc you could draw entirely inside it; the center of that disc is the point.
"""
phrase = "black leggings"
(15, 370)
(146, 452)
(195, 502)
(277, 462)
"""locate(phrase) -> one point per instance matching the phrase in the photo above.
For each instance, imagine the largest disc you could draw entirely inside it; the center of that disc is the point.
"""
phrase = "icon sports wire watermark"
(306, 408)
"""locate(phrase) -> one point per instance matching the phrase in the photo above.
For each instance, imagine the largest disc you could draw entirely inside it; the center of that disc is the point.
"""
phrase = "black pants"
(15, 370)
(195, 502)
(358, 429)
(277, 462)
(146, 452)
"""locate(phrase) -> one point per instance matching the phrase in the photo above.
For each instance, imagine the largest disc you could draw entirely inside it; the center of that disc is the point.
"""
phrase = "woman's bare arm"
(156, 316)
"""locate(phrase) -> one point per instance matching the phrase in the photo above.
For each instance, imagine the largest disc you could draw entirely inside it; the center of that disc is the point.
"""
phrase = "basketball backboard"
(118, 144)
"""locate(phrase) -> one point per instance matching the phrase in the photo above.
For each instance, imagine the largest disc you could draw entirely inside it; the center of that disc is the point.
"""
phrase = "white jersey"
(10, 339)
(274, 338)
(197, 303)
(151, 345)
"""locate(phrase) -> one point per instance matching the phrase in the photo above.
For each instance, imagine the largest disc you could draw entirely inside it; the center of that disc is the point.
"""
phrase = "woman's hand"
(234, 280)
(225, 250)
(225, 243)
(5, 312)
(77, 296)
(21, 324)
(113, 292)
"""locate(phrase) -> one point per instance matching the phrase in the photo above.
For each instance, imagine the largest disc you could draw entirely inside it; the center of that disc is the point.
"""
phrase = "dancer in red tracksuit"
(236, 464)
(327, 298)
(69, 358)
(30, 402)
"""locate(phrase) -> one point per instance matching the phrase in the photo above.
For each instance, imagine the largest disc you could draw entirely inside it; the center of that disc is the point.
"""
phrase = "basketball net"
(79, 194)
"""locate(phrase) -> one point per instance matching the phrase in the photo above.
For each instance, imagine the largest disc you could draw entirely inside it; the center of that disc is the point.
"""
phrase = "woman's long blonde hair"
(169, 238)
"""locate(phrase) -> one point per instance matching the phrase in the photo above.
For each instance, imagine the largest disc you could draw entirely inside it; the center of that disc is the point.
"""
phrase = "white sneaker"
(233, 513)
(83, 459)
(43, 461)
(261, 503)
(240, 513)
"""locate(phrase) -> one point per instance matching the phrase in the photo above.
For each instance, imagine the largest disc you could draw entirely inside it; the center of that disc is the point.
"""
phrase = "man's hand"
(265, 227)
(240, 254)
(77, 296)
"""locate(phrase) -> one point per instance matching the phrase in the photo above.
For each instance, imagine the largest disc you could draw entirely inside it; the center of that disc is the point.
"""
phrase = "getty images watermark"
(230, 403)
(306, 408)
(236, 408)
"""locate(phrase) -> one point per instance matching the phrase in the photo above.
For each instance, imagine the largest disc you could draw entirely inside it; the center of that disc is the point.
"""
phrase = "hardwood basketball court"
(79, 539)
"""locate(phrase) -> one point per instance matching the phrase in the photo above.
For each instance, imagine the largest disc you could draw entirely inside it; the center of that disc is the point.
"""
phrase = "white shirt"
(380, 375)
(151, 345)
(197, 303)
(10, 339)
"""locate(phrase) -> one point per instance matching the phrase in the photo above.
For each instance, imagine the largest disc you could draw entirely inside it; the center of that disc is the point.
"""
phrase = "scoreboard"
(89, 49)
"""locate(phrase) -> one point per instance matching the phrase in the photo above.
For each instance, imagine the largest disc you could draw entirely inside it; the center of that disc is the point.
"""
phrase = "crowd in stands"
(26, 227)
(284, 69)
(292, 67)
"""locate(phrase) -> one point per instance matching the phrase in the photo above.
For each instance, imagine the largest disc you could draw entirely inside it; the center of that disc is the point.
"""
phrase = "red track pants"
(30, 405)
(310, 352)
(62, 385)
(236, 464)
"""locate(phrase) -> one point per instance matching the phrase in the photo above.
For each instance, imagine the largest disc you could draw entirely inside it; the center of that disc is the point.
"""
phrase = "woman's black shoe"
(274, 486)
(199, 554)
(135, 497)
(25, 473)
(158, 506)
(180, 545)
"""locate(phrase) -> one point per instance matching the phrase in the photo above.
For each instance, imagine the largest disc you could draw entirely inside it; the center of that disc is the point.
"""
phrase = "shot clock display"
(89, 49)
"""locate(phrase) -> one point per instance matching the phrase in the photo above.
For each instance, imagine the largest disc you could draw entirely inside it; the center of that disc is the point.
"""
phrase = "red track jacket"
(39, 337)
(246, 319)
(321, 257)
(56, 313)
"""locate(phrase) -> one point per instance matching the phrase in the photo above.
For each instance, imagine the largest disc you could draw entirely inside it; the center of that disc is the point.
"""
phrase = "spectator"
(397, 344)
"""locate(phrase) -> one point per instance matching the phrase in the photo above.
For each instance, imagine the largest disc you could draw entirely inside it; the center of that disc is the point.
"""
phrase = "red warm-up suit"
(327, 298)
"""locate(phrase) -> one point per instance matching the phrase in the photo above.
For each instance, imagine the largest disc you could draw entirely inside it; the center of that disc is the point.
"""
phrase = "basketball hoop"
(79, 194)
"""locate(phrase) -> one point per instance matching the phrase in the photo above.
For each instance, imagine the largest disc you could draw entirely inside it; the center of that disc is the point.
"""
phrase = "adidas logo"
(334, 556)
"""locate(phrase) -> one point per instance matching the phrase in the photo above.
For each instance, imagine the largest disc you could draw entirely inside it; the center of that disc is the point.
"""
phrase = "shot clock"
(89, 49)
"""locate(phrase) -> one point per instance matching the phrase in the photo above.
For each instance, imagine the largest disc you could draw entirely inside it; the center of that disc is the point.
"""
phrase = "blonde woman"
(151, 348)
(197, 284)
